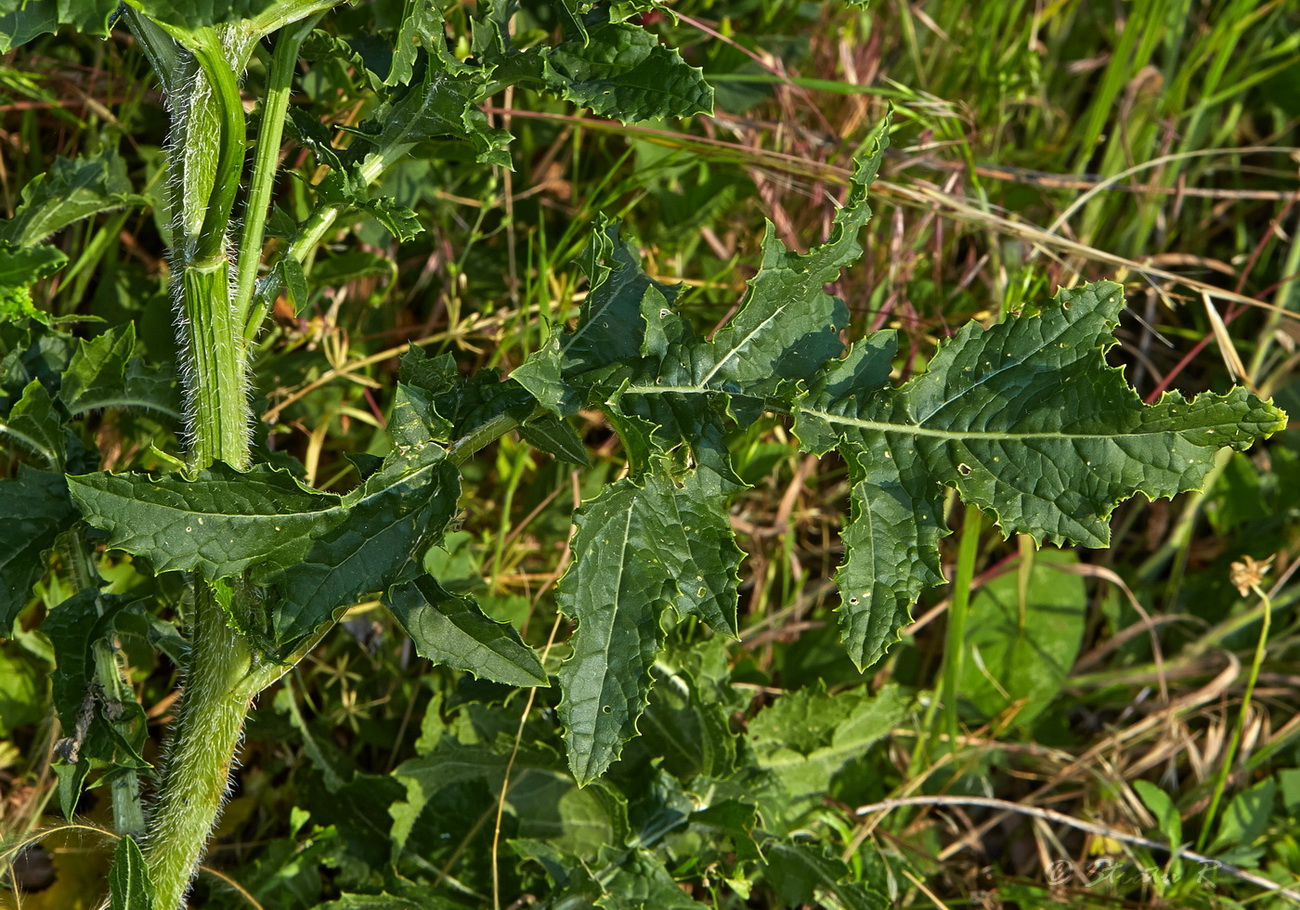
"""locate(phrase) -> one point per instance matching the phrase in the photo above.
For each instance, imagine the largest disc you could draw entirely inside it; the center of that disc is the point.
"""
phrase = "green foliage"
(661, 768)
(129, 886)
(1026, 630)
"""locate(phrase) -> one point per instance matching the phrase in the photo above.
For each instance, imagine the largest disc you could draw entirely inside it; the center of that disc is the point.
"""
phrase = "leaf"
(287, 273)
(21, 690)
(21, 267)
(1246, 817)
(422, 27)
(621, 71)
(1019, 653)
(386, 901)
(555, 437)
(609, 328)
(129, 885)
(685, 729)
(804, 738)
(452, 630)
(641, 880)
(441, 105)
(98, 368)
(72, 628)
(1163, 808)
(1028, 422)
(20, 25)
(316, 551)
(104, 374)
(637, 549)
(35, 425)
(68, 192)
(21, 22)
(266, 15)
(800, 873)
(34, 510)
(545, 800)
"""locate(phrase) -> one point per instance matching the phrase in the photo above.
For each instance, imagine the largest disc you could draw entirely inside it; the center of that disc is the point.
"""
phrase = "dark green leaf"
(637, 550)
(641, 880)
(422, 28)
(452, 630)
(402, 223)
(266, 15)
(18, 26)
(98, 369)
(69, 191)
(289, 274)
(609, 329)
(103, 374)
(22, 266)
(34, 510)
(317, 551)
(554, 436)
(621, 71)
(72, 627)
(21, 22)
(801, 873)
(805, 737)
(34, 424)
(441, 105)
(1028, 422)
(129, 885)
(21, 687)
(1246, 817)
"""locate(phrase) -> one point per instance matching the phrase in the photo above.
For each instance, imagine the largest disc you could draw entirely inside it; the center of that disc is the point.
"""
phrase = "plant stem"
(124, 790)
(217, 396)
(209, 134)
(201, 754)
(1230, 754)
(266, 161)
(958, 611)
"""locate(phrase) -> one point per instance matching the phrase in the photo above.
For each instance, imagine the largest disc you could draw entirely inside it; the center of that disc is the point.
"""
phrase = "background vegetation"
(1110, 705)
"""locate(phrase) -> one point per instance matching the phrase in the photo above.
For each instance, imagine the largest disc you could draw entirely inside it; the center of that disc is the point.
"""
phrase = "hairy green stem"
(208, 157)
(201, 754)
(217, 393)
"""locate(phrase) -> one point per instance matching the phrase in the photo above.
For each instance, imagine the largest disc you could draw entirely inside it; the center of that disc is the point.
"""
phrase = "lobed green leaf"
(315, 551)
(638, 549)
(68, 192)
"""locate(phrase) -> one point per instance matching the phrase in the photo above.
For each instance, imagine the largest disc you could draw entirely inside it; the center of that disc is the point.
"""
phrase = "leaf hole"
(964, 470)
(606, 709)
